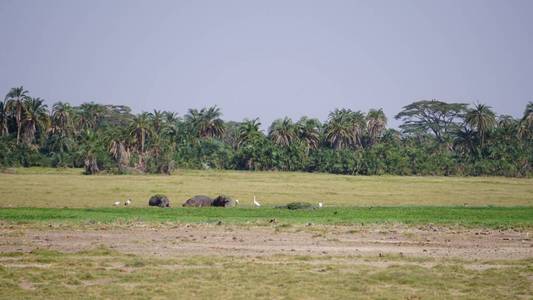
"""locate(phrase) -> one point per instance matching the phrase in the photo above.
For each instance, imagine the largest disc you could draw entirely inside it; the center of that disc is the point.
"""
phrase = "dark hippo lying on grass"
(198, 201)
(205, 201)
(223, 201)
(159, 200)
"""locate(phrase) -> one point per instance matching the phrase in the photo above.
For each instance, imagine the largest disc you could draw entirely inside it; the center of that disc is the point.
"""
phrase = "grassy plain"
(60, 237)
(104, 273)
(59, 188)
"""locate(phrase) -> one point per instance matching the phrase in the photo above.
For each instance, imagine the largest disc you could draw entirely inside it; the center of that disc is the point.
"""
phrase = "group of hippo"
(196, 201)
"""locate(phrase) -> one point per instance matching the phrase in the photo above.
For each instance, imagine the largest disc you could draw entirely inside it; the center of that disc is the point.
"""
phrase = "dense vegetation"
(435, 138)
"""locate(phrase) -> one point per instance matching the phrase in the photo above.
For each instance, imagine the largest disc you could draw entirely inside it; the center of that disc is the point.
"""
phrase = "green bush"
(297, 205)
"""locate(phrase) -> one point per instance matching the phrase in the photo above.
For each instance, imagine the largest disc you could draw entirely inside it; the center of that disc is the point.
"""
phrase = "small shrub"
(296, 205)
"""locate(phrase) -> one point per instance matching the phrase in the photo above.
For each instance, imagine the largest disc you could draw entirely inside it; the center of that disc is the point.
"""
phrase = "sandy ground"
(230, 240)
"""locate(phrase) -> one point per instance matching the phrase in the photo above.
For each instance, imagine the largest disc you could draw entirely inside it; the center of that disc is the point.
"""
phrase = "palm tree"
(309, 132)
(283, 132)
(35, 118)
(358, 124)
(482, 119)
(119, 146)
(171, 123)
(58, 145)
(506, 121)
(206, 122)
(526, 123)
(465, 141)
(15, 103)
(157, 120)
(88, 115)
(88, 150)
(248, 130)
(338, 132)
(345, 128)
(140, 129)
(62, 114)
(170, 117)
(59, 140)
(376, 121)
(3, 119)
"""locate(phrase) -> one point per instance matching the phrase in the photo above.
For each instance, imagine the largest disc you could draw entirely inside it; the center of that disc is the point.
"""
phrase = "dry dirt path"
(229, 240)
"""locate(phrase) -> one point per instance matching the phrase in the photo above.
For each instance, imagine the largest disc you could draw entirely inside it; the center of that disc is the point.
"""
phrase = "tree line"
(435, 138)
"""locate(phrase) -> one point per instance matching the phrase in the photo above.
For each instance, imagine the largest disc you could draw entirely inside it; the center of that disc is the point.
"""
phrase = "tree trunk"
(91, 166)
(18, 128)
(18, 118)
(142, 141)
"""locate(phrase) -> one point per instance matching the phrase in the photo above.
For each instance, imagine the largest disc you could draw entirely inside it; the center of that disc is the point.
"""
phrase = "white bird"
(237, 201)
(257, 204)
(320, 204)
(117, 203)
(128, 202)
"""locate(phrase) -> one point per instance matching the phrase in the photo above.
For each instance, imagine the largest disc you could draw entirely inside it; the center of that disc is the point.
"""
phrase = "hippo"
(159, 200)
(223, 201)
(198, 201)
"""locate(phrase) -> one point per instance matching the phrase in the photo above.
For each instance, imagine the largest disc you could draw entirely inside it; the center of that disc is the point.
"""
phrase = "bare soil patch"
(228, 240)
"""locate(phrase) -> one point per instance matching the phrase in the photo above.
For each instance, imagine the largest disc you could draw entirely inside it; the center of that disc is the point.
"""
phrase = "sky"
(270, 58)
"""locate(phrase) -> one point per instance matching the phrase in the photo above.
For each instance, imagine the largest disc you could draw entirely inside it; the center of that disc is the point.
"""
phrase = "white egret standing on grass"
(117, 203)
(128, 202)
(320, 205)
(256, 204)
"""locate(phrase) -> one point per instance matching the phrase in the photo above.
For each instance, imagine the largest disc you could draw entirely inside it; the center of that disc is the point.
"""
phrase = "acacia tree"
(15, 104)
(437, 117)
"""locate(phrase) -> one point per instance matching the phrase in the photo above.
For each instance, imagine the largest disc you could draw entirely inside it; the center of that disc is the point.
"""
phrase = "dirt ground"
(249, 241)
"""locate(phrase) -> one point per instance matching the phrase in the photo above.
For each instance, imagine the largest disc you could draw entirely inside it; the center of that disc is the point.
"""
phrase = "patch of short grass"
(109, 274)
(42, 187)
(493, 217)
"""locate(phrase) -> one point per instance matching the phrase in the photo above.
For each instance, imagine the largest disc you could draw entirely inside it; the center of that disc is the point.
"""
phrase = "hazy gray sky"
(270, 58)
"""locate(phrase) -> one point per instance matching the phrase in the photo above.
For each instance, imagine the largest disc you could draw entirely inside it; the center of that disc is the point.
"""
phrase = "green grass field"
(36, 187)
(493, 217)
